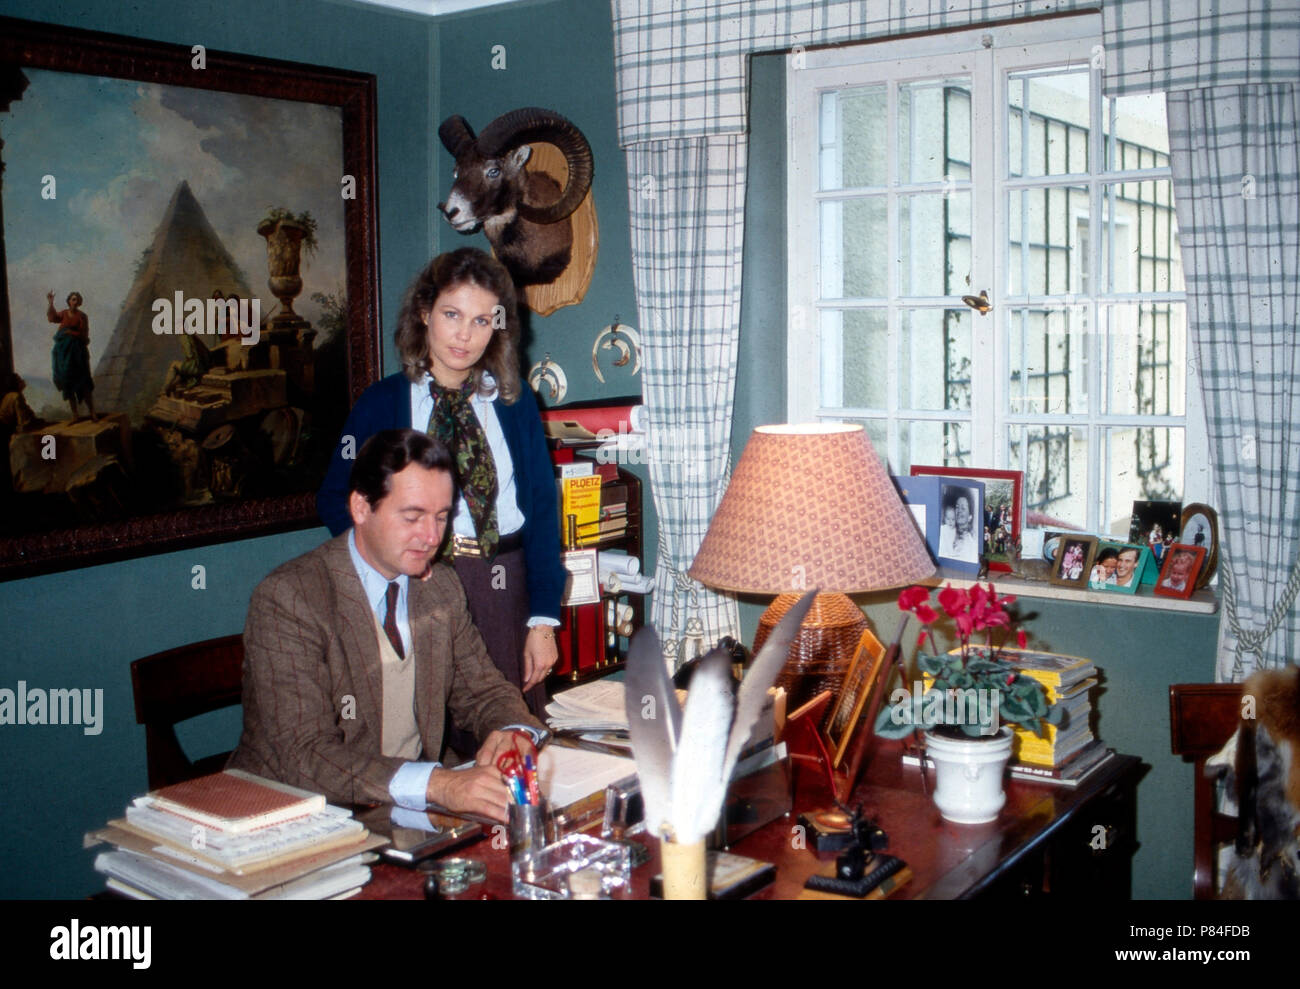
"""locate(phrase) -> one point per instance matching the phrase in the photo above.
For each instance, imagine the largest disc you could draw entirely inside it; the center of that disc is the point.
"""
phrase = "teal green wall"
(82, 628)
(1140, 652)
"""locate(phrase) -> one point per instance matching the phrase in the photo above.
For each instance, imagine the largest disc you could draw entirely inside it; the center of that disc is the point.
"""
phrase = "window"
(926, 170)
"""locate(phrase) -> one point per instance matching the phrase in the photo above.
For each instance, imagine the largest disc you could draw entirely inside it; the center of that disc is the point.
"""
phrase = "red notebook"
(234, 801)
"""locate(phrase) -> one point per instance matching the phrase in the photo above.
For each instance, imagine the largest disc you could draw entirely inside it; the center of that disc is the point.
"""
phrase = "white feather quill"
(698, 784)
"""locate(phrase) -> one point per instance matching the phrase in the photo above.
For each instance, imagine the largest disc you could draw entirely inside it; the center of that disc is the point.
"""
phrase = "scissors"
(509, 764)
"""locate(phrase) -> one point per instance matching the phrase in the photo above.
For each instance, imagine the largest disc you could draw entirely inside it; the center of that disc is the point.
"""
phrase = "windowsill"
(1033, 583)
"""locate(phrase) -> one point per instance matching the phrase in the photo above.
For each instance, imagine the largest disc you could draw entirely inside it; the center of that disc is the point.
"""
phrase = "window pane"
(1047, 123)
(934, 364)
(854, 254)
(1136, 134)
(1142, 463)
(854, 137)
(855, 350)
(934, 243)
(946, 444)
(1145, 357)
(878, 433)
(1141, 235)
(1048, 361)
(933, 129)
(1048, 229)
(1055, 462)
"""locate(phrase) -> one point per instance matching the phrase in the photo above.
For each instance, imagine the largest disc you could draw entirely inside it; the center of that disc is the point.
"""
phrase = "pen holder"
(685, 875)
(530, 830)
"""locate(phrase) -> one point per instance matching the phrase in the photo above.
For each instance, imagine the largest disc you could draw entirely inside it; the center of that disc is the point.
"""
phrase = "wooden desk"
(1047, 840)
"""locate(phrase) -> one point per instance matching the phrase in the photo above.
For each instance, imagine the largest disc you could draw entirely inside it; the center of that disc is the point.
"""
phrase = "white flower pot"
(968, 774)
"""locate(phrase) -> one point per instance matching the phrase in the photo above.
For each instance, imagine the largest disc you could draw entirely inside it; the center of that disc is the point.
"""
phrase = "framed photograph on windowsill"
(1130, 563)
(1003, 508)
(1200, 527)
(1182, 568)
(1073, 560)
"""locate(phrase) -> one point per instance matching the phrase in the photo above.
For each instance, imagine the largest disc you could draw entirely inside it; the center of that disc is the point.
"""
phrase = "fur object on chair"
(1264, 863)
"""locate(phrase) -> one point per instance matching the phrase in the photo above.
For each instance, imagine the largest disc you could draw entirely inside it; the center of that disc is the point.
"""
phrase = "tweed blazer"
(313, 691)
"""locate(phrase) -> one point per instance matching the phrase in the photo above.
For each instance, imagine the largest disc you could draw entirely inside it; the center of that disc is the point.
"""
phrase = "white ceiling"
(432, 8)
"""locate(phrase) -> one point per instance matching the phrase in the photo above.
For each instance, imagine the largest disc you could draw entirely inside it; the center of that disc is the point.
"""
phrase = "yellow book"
(580, 496)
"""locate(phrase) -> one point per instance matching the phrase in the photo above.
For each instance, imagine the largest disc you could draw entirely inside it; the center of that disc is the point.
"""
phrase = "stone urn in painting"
(286, 235)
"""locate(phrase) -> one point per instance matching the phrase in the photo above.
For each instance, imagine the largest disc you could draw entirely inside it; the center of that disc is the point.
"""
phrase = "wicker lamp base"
(819, 656)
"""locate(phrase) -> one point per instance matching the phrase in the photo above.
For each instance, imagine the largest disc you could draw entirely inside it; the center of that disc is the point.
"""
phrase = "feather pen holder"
(685, 872)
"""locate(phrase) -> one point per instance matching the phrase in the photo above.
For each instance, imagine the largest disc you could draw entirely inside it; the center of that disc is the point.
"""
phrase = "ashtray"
(577, 867)
(454, 875)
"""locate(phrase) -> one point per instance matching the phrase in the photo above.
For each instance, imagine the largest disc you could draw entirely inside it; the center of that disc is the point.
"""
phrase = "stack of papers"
(595, 706)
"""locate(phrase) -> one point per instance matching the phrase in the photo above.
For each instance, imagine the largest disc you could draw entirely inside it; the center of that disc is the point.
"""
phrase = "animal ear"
(520, 155)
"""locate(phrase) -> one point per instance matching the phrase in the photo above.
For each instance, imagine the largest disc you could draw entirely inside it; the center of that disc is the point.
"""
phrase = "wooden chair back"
(1202, 717)
(179, 684)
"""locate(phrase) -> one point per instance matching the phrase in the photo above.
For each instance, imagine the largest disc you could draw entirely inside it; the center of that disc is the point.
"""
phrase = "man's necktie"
(390, 619)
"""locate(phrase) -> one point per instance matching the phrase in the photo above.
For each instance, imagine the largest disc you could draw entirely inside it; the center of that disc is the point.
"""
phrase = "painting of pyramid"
(186, 255)
(185, 186)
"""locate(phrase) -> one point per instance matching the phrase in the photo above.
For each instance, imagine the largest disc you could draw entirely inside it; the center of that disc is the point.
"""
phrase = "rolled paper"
(685, 874)
(616, 561)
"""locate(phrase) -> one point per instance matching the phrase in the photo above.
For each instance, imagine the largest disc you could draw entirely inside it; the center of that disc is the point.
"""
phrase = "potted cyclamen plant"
(970, 700)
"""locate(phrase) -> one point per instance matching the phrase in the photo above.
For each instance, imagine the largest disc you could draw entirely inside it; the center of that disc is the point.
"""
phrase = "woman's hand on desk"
(470, 791)
(540, 654)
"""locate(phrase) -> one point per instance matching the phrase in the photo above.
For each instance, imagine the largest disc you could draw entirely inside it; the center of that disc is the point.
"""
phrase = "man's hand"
(499, 743)
(540, 654)
(478, 791)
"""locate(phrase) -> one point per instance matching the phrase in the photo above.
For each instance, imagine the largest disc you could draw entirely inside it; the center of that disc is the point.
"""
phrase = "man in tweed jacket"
(322, 653)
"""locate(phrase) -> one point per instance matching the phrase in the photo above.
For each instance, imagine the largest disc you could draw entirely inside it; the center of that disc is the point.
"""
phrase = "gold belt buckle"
(464, 545)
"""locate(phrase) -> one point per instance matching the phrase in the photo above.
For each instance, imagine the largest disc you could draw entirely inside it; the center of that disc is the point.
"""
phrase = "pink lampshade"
(811, 506)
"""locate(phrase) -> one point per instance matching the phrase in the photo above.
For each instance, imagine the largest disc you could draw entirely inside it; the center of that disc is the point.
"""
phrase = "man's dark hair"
(393, 450)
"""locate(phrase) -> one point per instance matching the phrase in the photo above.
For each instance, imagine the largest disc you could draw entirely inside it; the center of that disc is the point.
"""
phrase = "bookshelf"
(593, 638)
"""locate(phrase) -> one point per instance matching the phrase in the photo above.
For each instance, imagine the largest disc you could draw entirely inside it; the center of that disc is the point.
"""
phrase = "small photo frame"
(1200, 527)
(1131, 563)
(1178, 578)
(1155, 525)
(1073, 560)
(864, 672)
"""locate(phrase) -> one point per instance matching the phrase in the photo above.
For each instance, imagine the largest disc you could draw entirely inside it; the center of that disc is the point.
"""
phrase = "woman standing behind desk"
(458, 334)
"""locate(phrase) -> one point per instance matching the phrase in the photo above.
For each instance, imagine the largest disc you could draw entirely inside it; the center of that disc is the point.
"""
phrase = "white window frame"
(1018, 48)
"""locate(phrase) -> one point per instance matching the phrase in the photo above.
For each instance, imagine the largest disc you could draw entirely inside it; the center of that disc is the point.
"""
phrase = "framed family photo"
(1200, 527)
(1119, 567)
(859, 683)
(1073, 559)
(189, 250)
(1178, 578)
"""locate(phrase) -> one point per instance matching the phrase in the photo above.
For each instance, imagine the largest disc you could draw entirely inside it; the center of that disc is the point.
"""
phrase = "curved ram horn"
(455, 135)
(510, 130)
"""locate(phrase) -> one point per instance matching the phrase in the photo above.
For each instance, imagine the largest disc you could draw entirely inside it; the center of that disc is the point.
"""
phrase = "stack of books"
(235, 836)
(1069, 753)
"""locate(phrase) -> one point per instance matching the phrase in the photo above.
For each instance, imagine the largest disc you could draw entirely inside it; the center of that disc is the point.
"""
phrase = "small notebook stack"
(235, 836)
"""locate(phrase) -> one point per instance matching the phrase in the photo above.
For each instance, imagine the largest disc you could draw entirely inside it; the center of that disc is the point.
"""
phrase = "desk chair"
(1202, 717)
(178, 684)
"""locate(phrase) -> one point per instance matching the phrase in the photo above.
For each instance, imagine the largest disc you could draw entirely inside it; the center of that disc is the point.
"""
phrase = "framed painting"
(188, 291)
(1002, 510)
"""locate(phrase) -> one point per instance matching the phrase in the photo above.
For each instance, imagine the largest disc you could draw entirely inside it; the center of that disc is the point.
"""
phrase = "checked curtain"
(680, 68)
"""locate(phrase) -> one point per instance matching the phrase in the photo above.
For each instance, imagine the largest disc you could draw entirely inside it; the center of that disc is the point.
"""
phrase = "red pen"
(530, 776)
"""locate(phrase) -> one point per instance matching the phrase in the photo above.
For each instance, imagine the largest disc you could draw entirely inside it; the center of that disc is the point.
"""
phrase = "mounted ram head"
(525, 215)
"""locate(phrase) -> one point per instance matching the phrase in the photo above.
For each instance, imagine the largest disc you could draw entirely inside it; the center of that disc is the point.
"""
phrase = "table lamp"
(812, 506)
